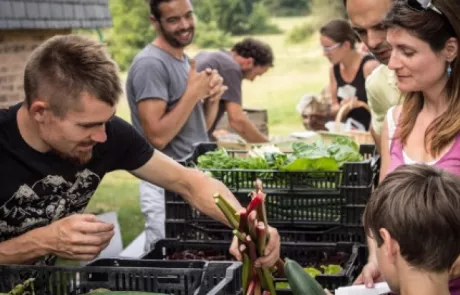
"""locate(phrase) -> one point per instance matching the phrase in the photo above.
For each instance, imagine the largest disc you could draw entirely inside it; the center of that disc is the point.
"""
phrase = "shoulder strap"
(338, 77)
(360, 74)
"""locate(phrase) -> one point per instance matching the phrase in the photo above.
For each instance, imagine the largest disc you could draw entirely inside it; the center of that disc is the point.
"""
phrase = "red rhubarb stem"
(243, 226)
(252, 286)
(254, 204)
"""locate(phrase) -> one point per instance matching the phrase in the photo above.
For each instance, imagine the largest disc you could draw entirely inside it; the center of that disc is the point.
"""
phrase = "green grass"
(299, 69)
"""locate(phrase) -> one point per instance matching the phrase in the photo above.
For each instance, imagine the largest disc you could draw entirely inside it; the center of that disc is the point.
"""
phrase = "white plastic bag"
(349, 125)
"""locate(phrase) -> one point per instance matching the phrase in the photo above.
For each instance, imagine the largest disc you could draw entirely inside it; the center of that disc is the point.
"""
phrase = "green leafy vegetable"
(305, 157)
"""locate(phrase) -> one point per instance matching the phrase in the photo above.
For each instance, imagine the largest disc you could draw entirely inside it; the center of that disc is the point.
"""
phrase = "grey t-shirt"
(230, 71)
(155, 74)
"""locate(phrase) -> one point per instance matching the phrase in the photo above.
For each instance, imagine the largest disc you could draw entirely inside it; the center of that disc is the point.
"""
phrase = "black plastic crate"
(354, 174)
(283, 208)
(187, 231)
(169, 277)
(307, 254)
(326, 198)
(288, 209)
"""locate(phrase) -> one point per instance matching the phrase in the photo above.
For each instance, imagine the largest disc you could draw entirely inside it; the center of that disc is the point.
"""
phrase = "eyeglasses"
(332, 47)
(421, 5)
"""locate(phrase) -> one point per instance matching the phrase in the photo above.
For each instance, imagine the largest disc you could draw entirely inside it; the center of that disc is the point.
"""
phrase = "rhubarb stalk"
(262, 211)
(254, 204)
(261, 238)
(257, 289)
(252, 225)
(252, 285)
(247, 271)
(261, 244)
(227, 205)
(231, 218)
(253, 255)
(241, 236)
(243, 225)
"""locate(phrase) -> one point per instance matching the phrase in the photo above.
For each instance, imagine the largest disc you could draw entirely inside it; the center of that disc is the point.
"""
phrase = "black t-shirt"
(38, 188)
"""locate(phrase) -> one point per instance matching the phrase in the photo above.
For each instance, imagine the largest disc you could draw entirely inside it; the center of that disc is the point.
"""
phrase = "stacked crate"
(314, 212)
(303, 206)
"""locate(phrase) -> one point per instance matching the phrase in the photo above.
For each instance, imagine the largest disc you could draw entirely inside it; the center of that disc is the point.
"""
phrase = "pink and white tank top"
(450, 161)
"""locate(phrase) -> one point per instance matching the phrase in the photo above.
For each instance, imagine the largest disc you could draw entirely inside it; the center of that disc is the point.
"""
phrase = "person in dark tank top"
(350, 68)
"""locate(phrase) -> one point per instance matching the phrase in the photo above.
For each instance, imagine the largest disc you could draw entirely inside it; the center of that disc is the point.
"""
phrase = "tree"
(236, 17)
(131, 30)
(287, 7)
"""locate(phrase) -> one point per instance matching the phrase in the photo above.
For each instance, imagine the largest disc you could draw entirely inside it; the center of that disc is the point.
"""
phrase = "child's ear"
(390, 245)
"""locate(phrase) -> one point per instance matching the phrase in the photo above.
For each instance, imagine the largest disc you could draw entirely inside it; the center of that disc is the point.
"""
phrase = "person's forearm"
(200, 194)
(247, 130)
(172, 122)
(210, 112)
(24, 249)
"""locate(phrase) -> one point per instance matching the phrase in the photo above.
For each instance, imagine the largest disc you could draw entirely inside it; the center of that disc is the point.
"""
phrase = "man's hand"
(199, 83)
(78, 237)
(217, 88)
(216, 97)
(370, 275)
(272, 251)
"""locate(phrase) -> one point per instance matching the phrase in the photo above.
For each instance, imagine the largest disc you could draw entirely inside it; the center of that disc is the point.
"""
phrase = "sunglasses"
(332, 47)
(421, 5)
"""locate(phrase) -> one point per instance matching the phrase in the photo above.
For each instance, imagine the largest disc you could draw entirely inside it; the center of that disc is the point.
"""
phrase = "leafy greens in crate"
(304, 157)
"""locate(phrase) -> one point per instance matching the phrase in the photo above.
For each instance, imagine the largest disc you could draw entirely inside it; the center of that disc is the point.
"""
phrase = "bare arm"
(160, 126)
(333, 89)
(211, 107)
(369, 67)
(78, 237)
(194, 186)
(241, 124)
(23, 249)
(210, 112)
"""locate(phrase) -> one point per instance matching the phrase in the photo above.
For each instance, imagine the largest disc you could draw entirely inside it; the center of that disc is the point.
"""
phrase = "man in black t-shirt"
(57, 146)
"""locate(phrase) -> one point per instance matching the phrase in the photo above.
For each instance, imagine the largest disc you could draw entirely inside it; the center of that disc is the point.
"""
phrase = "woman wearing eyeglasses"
(424, 36)
(350, 68)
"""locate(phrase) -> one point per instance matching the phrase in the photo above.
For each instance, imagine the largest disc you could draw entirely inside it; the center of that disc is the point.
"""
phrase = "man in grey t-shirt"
(171, 103)
(246, 60)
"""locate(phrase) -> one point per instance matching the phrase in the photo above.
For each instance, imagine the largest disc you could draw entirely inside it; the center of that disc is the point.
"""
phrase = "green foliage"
(258, 21)
(132, 30)
(326, 10)
(301, 33)
(209, 36)
(236, 17)
(287, 7)
(322, 12)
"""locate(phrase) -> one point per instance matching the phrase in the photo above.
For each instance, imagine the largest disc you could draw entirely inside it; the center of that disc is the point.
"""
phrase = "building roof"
(54, 14)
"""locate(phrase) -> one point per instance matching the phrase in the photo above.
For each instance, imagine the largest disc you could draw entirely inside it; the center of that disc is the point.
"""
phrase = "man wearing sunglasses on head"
(366, 18)
(424, 39)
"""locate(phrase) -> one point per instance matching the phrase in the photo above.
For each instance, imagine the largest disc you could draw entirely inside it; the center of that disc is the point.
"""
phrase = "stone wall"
(15, 48)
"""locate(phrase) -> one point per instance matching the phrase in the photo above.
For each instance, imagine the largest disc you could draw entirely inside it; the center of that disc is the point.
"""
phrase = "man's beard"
(78, 158)
(173, 41)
